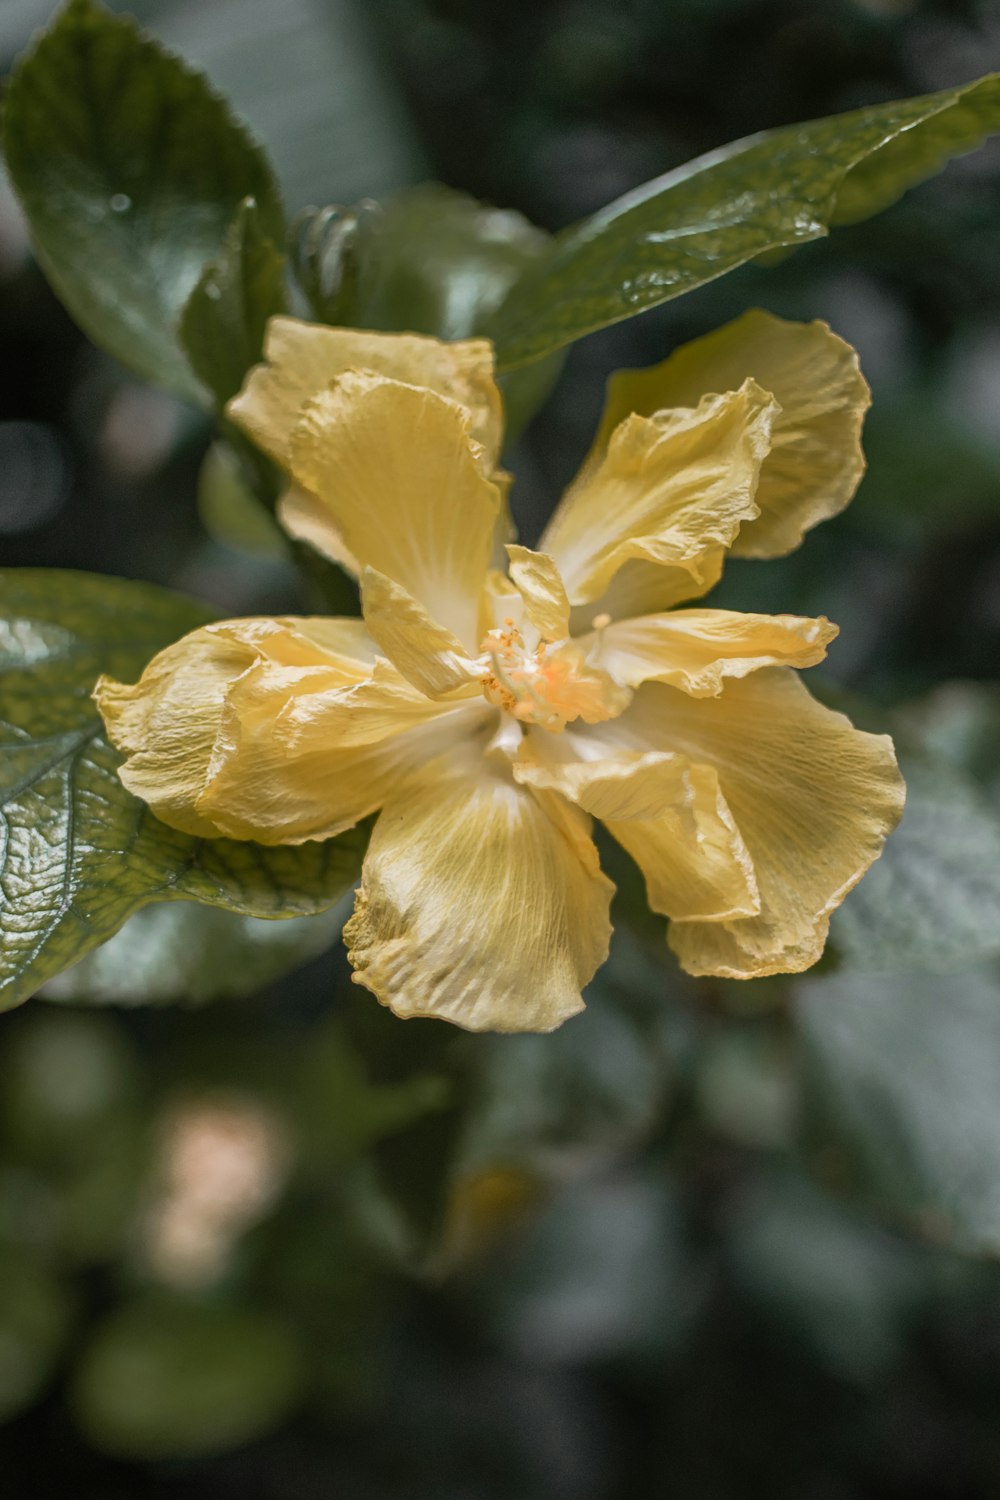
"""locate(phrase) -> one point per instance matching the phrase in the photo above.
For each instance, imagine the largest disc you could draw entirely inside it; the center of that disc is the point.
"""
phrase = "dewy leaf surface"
(79, 854)
(772, 190)
(130, 169)
(223, 322)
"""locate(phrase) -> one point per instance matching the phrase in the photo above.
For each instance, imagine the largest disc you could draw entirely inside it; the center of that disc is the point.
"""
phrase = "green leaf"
(79, 854)
(900, 1097)
(129, 169)
(341, 1111)
(182, 952)
(229, 508)
(932, 901)
(554, 1105)
(777, 189)
(222, 325)
(428, 261)
(842, 1289)
(166, 1378)
(35, 1318)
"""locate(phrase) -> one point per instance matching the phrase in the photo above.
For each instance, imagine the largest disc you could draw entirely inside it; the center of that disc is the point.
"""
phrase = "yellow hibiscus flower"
(489, 715)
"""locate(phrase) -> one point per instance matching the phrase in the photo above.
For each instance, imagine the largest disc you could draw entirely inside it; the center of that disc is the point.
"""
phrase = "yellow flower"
(490, 715)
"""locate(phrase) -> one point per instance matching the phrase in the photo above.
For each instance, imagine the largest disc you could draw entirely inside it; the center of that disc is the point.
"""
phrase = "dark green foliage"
(80, 853)
(130, 170)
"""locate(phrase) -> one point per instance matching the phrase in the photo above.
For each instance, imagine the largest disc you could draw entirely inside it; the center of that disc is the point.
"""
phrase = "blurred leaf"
(130, 169)
(180, 951)
(603, 1274)
(959, 722)
(80, 853)
(223, 321)
(64, 1079)
(932, 901)
(843, 1288)
(231, 511)
(167, 1378)
(779, 188)
(35, 1316)
(900, 1097)
(343, 1111)
(556, 1105)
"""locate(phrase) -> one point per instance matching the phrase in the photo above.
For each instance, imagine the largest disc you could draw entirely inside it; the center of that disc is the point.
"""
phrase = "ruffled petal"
(400, 477)
(698, 649)
(302, 359)
(665, 501)
(272, 730)
(425, 653)
(669, 814)
(815, 462)
(479, 907)
(167, 723)
(813, 798)
(540, 586)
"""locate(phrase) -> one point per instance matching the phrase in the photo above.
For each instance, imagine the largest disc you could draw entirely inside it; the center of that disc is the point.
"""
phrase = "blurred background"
(710, 1240)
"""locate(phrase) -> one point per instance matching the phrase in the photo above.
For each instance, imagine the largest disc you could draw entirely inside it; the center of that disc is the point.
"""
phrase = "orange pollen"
(549, 686)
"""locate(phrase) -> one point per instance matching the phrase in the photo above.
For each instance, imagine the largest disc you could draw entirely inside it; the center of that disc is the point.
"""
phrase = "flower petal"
(670, 490)
(167, 723)
(302, 359)
(428, 656)
(813, 797)
(398, 473)
(697, 649)
(672, 818)
(477, 907)
(544, 594)
(815, 462)
(308, 519)
(277, 731)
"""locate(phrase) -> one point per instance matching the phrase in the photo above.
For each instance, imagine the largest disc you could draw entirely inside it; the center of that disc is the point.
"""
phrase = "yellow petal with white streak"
(815, 462)
(670, 491)
(302, 359)
(698, 649)
(428, 656)
(476, 907)
(672, 818)
(813, 798)
(398, 472)
(544, 594)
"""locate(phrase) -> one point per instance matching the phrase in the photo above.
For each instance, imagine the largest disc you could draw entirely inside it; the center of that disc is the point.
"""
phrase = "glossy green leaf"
(773, 190)
(166, 1378)
(222, 325)
(181, 951)
(900, 1097)
(429, 261)
(130, 170)
(932, 901)
(79, 854)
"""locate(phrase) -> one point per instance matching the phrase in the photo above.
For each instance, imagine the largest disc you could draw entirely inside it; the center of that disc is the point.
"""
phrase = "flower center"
(549, 685)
